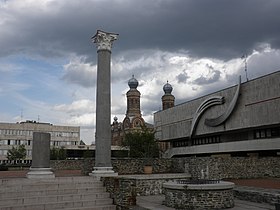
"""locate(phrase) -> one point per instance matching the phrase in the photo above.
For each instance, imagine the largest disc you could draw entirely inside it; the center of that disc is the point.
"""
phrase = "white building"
(14, 134)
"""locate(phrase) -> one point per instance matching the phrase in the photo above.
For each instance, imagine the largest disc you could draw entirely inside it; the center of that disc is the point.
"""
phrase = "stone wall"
(67, 164)
(122, 190)
(133, 165)
(197, 199)
(209, 167)
(232, 167)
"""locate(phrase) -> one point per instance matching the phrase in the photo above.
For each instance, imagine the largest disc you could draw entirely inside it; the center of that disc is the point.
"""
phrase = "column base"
(40, 173)
(99, 172)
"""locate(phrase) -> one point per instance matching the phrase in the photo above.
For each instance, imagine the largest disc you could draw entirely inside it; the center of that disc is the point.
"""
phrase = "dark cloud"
(217, 28)
(204, 80)
(182, 78)
(79, 73)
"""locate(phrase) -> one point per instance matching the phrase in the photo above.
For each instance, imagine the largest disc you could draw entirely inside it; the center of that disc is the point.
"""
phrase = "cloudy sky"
(48, 62)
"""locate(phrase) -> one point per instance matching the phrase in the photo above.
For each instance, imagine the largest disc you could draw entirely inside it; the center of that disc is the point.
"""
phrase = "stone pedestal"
(103, 165)
(40, 168)
(99, 172)
(40, 173)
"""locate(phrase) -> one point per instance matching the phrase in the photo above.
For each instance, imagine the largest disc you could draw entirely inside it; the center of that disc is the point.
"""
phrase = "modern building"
(14, 134)
(240, 120)
(133, 120)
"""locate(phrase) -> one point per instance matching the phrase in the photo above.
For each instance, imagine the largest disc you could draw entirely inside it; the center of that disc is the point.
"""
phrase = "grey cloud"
(182, 78)
(206, 80)
(218, 28)
(77, 76)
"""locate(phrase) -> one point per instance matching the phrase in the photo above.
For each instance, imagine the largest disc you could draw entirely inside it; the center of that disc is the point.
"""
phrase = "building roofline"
(257, 78)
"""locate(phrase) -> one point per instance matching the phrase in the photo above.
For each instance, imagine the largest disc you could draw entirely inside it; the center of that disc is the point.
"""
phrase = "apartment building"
(14, 134)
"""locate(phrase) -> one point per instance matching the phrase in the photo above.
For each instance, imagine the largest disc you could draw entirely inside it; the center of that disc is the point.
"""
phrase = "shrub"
(3, 168)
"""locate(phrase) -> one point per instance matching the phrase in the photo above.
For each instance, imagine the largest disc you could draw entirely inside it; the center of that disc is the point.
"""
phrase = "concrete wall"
(258, 105)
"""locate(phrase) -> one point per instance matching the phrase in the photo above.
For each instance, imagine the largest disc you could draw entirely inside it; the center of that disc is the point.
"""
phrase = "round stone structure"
(209, 195)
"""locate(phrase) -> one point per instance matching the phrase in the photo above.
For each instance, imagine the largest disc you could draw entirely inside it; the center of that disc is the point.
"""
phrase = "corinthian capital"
(104, 40)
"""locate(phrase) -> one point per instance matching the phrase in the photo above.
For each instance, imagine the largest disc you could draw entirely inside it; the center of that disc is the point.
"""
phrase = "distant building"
(13, 134)
(168, 101)
(240, 120)
(133, 120)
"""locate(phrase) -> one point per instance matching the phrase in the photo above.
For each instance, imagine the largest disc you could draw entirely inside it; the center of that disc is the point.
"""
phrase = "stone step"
(93, 204)
(42, 192)
(259, 195)
(77, 179)
(104, 207)
(59, 193)
(48, 186)
(108, 207)
(17, 200)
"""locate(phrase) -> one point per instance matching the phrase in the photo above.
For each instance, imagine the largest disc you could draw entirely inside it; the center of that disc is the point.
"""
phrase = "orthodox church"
(133, 120)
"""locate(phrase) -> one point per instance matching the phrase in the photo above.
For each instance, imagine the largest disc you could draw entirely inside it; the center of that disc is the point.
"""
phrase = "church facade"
(133, 120)
(239, 120)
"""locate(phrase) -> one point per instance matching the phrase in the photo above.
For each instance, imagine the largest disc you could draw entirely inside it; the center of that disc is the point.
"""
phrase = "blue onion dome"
(115, 119)
(167, 88)
(133, 83)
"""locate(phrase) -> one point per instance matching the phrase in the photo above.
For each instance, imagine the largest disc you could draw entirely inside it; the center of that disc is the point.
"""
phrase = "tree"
(88, 153)
(58, 153)
(17, 153)
(142, 144)
(53, 153)
(82, 142)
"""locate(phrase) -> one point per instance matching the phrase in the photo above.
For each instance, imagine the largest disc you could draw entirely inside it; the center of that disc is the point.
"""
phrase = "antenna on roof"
(245, 63)
(21, 115)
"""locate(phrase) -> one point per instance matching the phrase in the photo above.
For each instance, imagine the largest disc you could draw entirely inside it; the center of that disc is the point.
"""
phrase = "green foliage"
(3, 168)
(16, 153)
(53, 153)
(82, 142)
(142, 144)
(58, 153)
(120, 153)
(88, 153)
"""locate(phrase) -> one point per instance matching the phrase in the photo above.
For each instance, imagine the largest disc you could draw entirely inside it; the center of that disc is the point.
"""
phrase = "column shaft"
(103, 110)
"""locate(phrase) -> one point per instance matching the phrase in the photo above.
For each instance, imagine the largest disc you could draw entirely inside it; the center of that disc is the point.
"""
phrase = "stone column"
(103, 166)
(40, 168)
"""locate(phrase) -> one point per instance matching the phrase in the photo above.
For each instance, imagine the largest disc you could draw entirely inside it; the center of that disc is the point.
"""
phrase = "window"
(267, 133)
